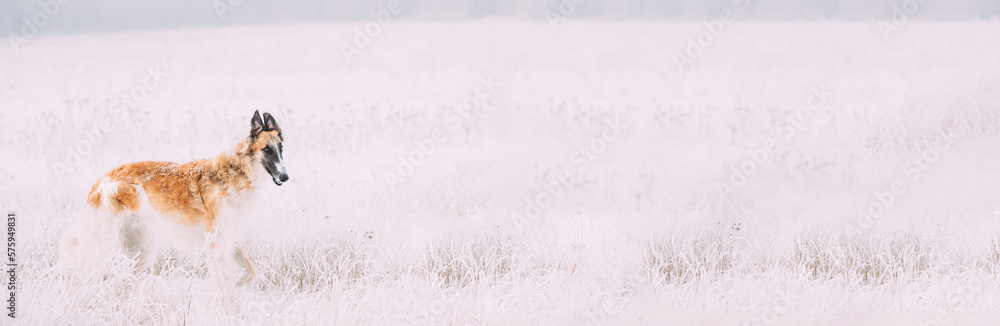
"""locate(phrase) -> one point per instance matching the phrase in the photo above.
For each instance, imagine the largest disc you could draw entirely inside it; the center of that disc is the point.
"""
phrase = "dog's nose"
(283, 178)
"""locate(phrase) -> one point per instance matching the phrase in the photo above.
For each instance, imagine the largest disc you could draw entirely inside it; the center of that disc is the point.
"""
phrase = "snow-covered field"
(510, 173)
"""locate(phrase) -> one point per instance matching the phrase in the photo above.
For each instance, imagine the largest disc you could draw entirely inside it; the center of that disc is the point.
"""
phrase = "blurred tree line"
(110, 15)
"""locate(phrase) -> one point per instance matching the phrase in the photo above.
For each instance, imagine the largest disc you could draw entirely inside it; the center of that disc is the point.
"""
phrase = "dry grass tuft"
(865, 259)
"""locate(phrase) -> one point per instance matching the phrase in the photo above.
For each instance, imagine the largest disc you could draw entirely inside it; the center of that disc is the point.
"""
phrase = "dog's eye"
(267, 149)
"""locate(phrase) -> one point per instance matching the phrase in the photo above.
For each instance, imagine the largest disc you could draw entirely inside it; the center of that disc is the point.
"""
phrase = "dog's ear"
(256, 125)
(269, 123)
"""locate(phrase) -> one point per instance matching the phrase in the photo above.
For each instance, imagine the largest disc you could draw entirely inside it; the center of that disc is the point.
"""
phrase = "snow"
(483, 231)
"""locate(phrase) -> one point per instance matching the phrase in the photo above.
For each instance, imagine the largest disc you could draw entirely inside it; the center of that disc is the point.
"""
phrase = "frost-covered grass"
(485, 278)
(643, 234)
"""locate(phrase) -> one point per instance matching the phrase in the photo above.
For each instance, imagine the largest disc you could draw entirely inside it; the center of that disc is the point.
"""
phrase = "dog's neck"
(239, 169)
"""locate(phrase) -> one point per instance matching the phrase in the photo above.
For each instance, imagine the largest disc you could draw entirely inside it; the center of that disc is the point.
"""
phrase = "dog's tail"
(113, 195)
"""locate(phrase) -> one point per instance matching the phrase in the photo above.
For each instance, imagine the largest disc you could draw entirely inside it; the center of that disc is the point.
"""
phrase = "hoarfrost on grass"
(644, 234)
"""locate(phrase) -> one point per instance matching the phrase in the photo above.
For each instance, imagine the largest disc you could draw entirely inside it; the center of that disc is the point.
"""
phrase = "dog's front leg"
(217, 266)
(215, 252)
(217, 263)
(248, 272)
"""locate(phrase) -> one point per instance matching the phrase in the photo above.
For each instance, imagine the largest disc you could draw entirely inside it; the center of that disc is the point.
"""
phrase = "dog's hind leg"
(136, 242)
(92, 236)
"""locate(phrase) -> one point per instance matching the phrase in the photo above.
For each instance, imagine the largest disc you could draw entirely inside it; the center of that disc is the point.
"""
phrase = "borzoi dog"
(138, 208)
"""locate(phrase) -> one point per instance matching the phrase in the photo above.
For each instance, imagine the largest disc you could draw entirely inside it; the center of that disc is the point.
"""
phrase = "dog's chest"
(235, 213)
(240, 200)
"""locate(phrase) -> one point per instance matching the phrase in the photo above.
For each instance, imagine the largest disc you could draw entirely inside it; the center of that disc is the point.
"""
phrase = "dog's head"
(265, 146)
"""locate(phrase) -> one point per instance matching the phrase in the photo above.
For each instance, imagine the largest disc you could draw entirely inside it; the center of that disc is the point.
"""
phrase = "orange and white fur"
(140, 208)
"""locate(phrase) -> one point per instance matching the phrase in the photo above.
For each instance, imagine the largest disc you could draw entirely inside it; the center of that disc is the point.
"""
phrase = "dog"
(140, 208)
